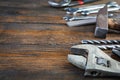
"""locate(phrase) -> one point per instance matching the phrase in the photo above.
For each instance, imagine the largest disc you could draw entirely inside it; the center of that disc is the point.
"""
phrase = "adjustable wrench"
(94, 61)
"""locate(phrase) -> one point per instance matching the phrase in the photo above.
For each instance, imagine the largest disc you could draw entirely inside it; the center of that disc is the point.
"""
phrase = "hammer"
(105, 24)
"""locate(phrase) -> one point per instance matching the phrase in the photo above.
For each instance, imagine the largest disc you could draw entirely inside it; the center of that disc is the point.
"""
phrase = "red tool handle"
(85, 1)
(80, 2)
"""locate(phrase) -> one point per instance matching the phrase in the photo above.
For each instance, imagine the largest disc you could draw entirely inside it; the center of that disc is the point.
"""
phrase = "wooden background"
(35, 42)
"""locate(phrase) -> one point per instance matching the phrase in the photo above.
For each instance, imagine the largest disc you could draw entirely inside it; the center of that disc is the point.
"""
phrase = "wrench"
(94, 61)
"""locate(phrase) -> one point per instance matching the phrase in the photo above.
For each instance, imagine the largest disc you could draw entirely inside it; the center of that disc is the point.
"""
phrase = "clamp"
(94, 61)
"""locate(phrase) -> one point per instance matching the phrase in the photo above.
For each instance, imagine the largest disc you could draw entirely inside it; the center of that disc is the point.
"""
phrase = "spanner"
(94, 61)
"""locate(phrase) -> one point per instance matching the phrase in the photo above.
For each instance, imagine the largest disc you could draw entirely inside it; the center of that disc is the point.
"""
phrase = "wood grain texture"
(35, 42)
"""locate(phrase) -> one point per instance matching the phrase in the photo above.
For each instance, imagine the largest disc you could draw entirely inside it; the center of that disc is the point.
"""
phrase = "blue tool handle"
(86, 1)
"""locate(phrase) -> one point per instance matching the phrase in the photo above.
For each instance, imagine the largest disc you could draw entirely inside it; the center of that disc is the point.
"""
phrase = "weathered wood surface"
(34, 42)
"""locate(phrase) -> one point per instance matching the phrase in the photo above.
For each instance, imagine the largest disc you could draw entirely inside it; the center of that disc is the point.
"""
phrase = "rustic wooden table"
(35, 42)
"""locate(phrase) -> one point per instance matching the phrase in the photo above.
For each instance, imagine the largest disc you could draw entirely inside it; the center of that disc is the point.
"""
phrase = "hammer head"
(102, 23)
(100, 33)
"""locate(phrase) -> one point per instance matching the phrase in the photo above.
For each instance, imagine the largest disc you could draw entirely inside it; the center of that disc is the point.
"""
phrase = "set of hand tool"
(109, 22)
(86, 11)
(105, 22)
(89, 55)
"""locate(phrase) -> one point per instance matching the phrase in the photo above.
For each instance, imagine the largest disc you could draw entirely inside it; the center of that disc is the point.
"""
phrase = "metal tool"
(82, 20)
(76, 10)
(102, 23)
(69, 18)
(76, 18)
(94, 61)
(64, 3)
(88, 8)
(108, 47)
(103, 44)
(85, 13)
(100, 41)
(116, 51)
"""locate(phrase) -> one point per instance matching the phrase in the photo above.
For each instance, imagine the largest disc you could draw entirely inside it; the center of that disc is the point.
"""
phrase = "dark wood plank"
(31, 19)
(35, 42)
